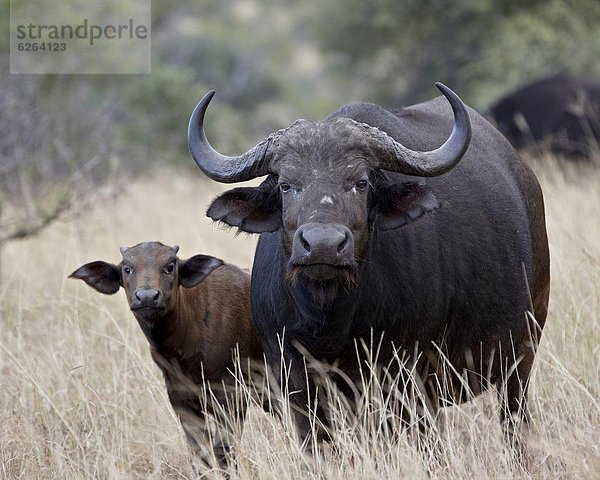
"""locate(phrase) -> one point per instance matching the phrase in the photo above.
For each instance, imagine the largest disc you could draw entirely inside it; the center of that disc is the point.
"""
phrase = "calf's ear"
(101, 276)
(402, 203)
(250, 209)
(195, 269)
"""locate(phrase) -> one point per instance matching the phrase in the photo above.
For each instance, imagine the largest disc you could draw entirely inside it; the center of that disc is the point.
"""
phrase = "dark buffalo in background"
(560, 113)
(370, 232)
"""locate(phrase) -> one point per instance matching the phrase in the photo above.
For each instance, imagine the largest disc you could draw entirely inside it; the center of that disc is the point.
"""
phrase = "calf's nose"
(145, 297)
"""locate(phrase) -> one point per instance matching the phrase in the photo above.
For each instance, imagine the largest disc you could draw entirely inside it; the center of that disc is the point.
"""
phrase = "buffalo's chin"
(149, 314)
(323, 272)
(321, 282)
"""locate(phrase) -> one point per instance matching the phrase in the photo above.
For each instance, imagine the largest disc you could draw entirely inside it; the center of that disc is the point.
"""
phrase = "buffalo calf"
(194, 313)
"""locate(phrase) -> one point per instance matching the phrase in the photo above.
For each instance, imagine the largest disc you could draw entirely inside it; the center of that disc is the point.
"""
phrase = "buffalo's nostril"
(343, 243)
(155, 297)
(305, 243)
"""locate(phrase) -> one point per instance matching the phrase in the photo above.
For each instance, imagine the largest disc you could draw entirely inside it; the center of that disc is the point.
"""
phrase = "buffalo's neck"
(168, 334)
(324, 311)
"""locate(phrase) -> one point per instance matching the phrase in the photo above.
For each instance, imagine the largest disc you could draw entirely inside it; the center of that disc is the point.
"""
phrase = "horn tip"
(443, 88)
(209, 95)
(204, 101)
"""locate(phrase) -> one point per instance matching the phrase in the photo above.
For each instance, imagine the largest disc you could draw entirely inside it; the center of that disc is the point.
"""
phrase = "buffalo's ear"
(402, 203)
(195, 269)
(250, 209)
(101, 276)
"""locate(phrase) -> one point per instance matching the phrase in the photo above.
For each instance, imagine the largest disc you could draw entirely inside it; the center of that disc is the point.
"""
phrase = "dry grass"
(81, 398)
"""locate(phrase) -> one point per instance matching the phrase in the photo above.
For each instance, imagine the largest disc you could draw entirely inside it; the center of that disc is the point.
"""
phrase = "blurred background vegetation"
(270, 62)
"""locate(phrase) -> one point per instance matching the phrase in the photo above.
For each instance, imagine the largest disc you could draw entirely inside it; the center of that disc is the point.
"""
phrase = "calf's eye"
(127, 270)
(284, 187)
(169, 268)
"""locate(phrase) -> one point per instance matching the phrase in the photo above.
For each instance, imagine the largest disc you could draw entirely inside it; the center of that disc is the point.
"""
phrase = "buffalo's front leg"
(297, 391)
(209, 442)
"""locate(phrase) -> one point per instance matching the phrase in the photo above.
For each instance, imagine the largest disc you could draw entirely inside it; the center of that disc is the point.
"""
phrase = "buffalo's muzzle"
(146, 298)
(327, 244)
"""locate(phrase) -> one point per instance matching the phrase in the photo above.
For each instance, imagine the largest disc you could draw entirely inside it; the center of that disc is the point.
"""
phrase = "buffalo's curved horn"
(254, 163)
(395, 157)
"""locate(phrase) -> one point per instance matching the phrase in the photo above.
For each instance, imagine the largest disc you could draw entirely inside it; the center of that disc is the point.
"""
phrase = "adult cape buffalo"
(372, 233)
(560, 112)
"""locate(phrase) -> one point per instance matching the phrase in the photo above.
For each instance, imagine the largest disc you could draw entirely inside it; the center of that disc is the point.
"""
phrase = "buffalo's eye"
(169, 268)
(127, 270)
(285, 187)
(360, 185)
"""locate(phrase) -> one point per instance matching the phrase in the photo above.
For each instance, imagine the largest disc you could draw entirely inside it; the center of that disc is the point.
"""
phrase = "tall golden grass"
(81, 398)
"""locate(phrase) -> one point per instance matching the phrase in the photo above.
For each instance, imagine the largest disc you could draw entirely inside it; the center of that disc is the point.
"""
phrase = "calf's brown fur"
(194, 313)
